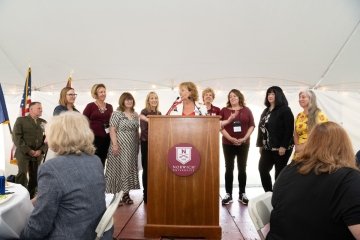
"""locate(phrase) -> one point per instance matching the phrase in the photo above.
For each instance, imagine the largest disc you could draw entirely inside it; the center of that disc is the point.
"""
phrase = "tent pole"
(336, 56)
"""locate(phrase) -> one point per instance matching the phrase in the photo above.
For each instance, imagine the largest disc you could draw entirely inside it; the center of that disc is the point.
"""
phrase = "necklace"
(103, 108)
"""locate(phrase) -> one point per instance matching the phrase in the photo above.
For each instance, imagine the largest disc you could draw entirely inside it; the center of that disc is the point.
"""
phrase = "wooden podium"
(181, 206)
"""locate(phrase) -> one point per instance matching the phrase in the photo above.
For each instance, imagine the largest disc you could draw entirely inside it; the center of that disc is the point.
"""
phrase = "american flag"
(26, 98)
(24, 109)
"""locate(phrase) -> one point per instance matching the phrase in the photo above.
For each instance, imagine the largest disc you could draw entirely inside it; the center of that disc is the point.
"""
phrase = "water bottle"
(2, 184)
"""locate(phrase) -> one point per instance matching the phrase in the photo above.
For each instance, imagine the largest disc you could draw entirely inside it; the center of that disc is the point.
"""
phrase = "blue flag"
(4, 117)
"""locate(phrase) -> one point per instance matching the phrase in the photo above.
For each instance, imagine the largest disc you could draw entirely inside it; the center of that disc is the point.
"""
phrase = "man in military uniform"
(28, 137)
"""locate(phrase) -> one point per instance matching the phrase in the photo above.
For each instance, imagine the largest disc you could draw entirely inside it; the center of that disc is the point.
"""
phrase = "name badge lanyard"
(237, 125)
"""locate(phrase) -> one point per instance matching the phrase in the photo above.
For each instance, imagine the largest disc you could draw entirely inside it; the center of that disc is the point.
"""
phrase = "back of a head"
(328, 148)
(69, 133)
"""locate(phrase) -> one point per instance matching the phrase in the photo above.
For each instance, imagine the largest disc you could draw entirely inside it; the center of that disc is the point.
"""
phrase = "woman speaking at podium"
(187, 104)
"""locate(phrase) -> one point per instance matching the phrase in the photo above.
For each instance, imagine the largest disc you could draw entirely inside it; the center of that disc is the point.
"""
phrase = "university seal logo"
(183, 159)
(183, 154)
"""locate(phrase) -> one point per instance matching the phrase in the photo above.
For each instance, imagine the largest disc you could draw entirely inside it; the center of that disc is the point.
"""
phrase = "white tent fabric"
(137, 44)
(142, 45)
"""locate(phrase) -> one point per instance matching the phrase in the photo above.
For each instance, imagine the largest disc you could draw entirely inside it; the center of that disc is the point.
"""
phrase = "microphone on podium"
(173, 106)
(196, 106)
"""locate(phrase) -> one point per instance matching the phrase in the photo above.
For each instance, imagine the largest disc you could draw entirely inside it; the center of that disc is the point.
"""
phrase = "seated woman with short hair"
(71, 187)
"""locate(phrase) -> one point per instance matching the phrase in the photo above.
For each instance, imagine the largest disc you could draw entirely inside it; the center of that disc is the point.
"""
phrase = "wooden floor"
(129, 220)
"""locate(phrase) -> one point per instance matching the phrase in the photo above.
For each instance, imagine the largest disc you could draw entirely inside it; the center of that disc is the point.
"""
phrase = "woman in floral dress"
(307, 119)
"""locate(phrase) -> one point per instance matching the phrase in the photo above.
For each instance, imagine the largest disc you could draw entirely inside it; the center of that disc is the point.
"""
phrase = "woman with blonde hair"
(99, 113)
(188, 104)
(319, 191)
(307, 119)
(66, 101)
(121, 167)
(208, 96)
(70, 200)
(151, 108)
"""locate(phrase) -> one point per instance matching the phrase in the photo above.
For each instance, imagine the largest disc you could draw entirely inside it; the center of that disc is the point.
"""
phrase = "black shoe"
(227, 199)
(243, 199)
(126, 199)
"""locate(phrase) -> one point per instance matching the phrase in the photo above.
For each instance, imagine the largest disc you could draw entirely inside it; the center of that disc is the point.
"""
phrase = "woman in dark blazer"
(275, 135)
(66, 101)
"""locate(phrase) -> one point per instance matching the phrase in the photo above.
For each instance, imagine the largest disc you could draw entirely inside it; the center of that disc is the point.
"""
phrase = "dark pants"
(102, 146)
(241, 154)
(144, 163)
(26, 166)
(267, 160)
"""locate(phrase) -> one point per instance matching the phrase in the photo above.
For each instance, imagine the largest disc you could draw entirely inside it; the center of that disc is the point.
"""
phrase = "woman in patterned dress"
(121, 168)
(307, 119)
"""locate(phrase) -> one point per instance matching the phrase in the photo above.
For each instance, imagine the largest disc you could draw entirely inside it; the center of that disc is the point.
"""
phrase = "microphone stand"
(196, 106)
(173, 106)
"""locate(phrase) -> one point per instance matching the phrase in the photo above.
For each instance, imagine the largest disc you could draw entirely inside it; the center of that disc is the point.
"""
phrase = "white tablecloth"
(15, 212)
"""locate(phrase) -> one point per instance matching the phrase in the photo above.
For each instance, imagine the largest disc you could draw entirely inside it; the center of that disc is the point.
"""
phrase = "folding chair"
(259, 210)
(106, 221)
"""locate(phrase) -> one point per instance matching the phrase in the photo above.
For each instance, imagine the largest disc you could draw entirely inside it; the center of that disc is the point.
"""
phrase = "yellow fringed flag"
(69, 82)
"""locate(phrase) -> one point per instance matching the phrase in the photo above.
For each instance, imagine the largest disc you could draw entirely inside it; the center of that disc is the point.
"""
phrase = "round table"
(15, 212)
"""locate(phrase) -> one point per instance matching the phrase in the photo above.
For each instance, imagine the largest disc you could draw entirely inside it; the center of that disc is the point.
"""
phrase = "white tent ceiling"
(136, 44)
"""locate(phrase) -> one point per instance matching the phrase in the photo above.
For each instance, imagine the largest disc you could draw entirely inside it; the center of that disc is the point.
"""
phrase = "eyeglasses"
(72, 94)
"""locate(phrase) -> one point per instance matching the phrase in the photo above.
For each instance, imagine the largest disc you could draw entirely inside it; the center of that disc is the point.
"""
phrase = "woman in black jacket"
(275, 135)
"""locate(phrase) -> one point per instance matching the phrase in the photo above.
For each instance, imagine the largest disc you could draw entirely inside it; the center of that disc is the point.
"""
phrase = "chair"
(259, 210)
(106, 221)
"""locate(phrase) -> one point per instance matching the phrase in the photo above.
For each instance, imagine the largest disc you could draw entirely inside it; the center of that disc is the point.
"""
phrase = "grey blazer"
(70, 200)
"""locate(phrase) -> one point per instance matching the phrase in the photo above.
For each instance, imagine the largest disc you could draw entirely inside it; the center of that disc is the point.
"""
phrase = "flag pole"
(10, 128)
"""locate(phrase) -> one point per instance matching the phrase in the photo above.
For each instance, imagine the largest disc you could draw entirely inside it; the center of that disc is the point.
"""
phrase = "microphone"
(173, 106)
(197, 107)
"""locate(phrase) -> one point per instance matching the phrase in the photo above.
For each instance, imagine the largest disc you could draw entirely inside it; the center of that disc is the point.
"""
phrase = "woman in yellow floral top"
(307, 119)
